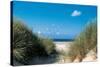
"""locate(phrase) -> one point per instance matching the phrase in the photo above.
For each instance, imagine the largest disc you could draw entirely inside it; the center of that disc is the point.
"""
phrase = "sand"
(63, 46)
(91, 56)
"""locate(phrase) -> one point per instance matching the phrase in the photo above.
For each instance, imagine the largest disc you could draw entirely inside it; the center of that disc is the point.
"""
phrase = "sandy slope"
(91, 56)
(64, 47)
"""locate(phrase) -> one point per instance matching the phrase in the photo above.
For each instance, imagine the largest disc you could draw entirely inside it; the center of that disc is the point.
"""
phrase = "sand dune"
(90, 56)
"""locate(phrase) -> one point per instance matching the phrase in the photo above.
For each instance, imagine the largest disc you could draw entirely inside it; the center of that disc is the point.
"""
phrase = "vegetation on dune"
(48, 45)
(86, 41)
(23, 42)
(27, 45)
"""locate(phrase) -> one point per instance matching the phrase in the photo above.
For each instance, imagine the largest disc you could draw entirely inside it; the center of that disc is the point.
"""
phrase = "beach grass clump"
(86, 41)
(48, 45)
(27, 45)
(24, 42)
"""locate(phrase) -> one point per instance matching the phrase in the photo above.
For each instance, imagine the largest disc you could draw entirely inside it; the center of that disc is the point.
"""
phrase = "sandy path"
(63, 46)
(60, 46)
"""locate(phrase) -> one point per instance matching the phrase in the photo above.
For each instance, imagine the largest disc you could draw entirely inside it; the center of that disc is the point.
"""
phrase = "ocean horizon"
(62, 40)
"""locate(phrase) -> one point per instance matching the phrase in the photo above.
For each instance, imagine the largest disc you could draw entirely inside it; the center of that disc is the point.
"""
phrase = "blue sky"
(54, 20)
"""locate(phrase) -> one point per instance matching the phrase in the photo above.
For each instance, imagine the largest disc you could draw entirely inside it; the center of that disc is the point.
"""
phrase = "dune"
(64, 47)
(90, 56)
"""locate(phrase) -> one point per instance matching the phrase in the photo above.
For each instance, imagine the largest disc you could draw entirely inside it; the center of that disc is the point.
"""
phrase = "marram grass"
(27, 45)
(86, 41)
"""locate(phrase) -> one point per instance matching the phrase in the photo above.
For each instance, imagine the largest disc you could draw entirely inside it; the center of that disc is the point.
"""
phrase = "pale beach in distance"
(63, 46)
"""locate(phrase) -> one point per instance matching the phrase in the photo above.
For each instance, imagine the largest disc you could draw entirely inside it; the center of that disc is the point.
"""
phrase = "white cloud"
(76, 13)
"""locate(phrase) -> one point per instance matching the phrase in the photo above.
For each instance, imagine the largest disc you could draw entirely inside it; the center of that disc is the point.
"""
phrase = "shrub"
(86, 41)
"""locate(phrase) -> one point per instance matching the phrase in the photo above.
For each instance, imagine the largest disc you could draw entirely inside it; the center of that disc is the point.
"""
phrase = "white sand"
(63, 46)
(91, 56)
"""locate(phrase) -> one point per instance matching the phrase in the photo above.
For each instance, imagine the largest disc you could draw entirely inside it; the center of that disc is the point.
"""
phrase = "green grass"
(85, 41)
(48, 45)
(27, 44)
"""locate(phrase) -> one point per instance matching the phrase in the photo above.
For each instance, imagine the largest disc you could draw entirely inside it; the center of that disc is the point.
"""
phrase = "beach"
(63, 46)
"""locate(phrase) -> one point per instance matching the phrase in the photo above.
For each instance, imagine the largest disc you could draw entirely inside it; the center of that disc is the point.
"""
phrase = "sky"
(62, 21)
